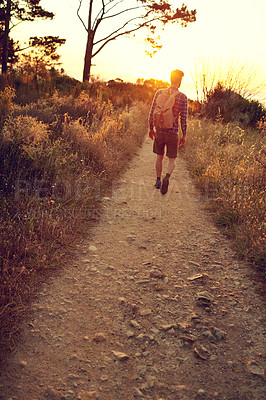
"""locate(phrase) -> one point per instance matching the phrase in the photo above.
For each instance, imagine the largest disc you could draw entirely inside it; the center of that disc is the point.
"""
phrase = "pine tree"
(12, 12)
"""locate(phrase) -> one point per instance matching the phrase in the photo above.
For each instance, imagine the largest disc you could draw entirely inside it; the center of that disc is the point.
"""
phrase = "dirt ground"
(153, 305)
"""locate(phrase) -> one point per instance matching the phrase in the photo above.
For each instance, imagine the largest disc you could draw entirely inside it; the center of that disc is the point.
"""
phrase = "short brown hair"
(176, 76)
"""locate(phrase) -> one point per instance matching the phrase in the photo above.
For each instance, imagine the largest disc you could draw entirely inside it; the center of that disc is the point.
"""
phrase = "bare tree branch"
(90, 15)
(99, 17)
(24, 48)
(80, 2)
(116, 4)
(109, 38)
(146, 23)
(131, 17)
(14, 25)
(102, 11)
(124, 11)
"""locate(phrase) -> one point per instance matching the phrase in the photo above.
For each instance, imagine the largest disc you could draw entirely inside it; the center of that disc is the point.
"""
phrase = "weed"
(227, 162)
(59, 156)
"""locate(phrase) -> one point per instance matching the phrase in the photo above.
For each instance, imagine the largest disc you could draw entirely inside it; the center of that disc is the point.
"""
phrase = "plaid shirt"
(179, 110)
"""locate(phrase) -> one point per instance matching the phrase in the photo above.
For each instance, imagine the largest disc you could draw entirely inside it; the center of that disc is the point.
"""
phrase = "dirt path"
(153, 306)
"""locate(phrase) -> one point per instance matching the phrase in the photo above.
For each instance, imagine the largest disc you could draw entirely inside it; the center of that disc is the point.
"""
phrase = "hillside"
(153, 304)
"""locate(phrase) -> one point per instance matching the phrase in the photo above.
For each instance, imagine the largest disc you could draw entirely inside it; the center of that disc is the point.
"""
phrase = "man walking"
(168, 136)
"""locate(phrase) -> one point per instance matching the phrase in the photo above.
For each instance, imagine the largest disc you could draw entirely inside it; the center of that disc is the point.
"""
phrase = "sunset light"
(217, 34)
(132, 199)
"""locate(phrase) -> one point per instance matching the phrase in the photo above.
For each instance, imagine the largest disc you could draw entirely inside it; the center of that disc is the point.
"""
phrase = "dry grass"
(58, 157)
(229, 166)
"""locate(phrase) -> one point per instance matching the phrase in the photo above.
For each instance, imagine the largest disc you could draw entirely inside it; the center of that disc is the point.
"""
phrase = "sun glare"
(157, 68)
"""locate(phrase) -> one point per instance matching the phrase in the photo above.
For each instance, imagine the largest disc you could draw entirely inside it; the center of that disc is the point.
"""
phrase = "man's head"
(176, 77)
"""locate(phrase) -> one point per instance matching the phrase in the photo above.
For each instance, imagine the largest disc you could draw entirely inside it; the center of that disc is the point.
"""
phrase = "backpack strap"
(173, 90)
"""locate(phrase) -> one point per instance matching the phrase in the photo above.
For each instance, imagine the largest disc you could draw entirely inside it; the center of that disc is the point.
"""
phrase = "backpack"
(163, 117)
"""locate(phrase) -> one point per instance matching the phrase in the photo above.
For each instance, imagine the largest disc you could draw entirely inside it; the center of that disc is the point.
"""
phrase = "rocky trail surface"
(153, 305)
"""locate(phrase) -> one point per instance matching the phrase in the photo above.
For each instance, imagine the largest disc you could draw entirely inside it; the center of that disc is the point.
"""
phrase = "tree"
(45, 49)
(42, 57)
(124, 17)
(12, 12)
(13, 48)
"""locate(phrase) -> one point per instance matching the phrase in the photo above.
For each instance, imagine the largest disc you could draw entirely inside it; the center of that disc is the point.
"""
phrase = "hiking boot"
(158, 184)
(165, 184)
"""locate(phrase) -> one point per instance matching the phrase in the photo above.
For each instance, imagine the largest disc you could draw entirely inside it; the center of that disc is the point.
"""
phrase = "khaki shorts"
(169, 140)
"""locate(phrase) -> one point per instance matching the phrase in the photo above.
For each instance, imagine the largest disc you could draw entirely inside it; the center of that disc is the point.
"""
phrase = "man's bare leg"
(158, 167)
(170, 168)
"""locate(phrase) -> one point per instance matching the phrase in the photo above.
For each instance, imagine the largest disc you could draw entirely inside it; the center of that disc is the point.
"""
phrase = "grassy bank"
(58, 158)
(228, 164)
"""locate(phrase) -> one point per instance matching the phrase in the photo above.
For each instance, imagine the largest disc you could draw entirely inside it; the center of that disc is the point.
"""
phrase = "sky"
(228, 31)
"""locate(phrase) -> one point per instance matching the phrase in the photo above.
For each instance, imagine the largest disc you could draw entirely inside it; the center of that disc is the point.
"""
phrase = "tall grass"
(58, 158)
(229, 165)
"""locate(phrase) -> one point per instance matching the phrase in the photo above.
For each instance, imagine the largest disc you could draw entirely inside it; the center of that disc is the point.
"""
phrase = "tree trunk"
(6, 37)
(88, 57)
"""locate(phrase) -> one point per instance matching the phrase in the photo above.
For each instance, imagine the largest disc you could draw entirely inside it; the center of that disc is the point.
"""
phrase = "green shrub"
(229, 106)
